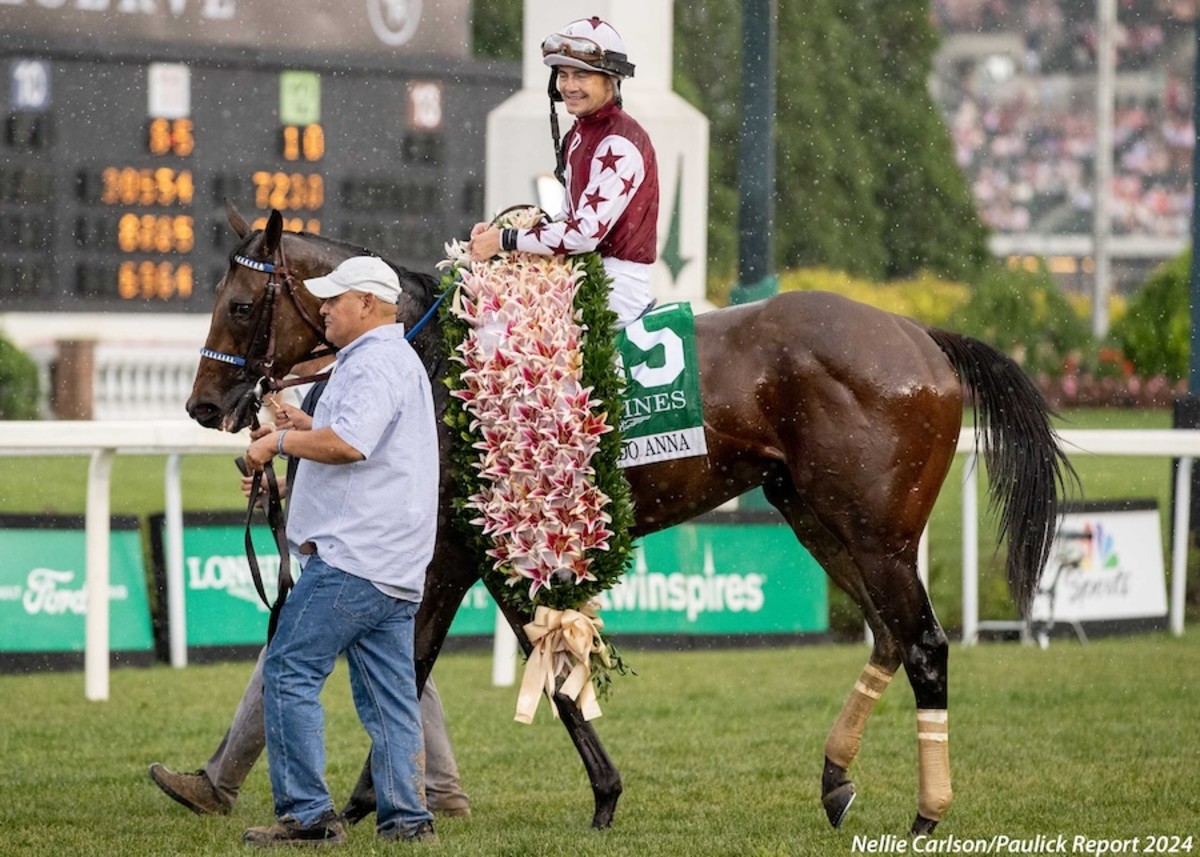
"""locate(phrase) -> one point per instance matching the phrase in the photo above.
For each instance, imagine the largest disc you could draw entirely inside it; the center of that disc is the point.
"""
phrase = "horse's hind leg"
(845, 738)
(925, 654)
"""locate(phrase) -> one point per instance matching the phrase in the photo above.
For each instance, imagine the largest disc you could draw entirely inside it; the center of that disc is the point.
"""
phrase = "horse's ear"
(272, 234)
(239, 224)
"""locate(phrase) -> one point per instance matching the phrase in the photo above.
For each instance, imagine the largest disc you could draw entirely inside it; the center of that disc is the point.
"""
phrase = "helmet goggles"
(587, 51)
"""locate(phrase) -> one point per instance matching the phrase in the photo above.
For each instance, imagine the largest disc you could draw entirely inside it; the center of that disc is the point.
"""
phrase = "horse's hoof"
(603, 817)
(837, 792)
(922, 825)
(358, 807)
(837, 803)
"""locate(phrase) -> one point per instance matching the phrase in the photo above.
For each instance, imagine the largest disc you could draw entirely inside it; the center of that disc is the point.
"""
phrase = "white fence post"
(504, 653)
(173, 548)
(1179, 543)
(97, 539)
(970, 549)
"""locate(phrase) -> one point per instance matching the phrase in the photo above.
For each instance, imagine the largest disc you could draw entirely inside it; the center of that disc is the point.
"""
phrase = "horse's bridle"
(279, 281)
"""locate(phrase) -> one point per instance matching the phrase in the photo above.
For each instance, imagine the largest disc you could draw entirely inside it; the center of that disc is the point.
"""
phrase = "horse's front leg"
(602, 773)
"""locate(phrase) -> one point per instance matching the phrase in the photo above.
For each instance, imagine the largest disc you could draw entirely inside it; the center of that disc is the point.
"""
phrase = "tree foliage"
(1025, 315)
(1155, 331)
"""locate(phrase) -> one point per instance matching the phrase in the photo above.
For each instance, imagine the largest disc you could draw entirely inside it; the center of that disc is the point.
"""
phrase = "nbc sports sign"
(1106, 563)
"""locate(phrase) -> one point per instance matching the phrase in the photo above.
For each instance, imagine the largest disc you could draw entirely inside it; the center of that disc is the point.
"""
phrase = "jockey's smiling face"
(584, 92)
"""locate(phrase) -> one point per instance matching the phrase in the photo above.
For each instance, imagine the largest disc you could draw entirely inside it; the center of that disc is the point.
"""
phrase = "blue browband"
(222, 357)
(255, 264)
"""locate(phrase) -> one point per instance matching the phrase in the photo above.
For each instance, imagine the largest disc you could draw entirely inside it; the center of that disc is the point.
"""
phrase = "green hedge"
(1155, 330)
(18, 383)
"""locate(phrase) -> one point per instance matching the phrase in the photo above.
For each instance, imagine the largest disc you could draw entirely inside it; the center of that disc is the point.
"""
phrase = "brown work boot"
(423, 832)
(449, 806)
(287, 832)
(193, 790)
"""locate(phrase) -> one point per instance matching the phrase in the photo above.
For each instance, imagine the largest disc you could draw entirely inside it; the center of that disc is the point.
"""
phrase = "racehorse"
(845, 415)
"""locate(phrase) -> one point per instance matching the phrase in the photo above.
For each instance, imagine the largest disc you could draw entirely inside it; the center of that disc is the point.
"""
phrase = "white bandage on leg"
(846, 735)
(933, 749)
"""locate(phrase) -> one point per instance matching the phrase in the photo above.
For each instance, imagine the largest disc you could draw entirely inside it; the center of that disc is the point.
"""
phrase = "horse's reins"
(267, 383)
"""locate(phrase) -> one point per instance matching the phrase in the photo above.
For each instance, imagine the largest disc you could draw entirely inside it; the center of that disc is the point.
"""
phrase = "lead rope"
(274, 510)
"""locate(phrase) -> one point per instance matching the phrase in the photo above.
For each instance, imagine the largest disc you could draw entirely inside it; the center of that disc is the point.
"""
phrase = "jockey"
(607, 164)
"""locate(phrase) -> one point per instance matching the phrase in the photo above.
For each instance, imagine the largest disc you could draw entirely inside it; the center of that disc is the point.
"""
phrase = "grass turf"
(720, 753)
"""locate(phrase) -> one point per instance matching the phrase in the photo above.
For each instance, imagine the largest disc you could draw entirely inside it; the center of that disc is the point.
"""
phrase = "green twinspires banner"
(664, 415)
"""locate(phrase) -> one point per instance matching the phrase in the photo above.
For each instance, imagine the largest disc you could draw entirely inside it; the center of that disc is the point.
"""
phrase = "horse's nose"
(204, 412)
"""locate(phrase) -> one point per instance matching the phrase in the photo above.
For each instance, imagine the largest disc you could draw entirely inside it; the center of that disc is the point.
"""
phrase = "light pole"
(756, 155)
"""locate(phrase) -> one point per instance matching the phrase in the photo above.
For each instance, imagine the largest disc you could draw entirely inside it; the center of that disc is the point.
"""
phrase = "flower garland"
(534, 404)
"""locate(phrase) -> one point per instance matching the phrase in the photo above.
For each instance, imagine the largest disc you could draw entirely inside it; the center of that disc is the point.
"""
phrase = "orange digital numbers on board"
(170, 137)
(303, 144)
(155, 233)
(288, 191)
(146, 186)
(154, 280)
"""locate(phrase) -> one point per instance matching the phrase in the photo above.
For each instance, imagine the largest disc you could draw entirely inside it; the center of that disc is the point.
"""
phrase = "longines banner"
(43, 593)
(695, 579)
(222, 607)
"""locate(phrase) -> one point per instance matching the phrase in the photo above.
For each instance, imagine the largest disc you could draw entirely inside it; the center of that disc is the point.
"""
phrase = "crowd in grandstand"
(1024, 128)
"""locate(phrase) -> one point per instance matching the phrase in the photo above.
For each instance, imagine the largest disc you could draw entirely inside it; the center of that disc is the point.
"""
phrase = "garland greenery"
(605, 562)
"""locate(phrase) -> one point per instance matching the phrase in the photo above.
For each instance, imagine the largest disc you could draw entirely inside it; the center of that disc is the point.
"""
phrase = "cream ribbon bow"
(563, 644)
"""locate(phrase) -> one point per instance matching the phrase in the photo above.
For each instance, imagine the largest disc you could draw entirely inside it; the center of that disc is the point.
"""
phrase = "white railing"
(129, 381)
(103, 440)
(142, 382)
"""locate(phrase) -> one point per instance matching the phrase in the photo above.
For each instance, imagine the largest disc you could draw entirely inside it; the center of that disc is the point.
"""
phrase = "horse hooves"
(837, 803)
(606, 806)
(923, 825)
(602, 819)
(358, 807)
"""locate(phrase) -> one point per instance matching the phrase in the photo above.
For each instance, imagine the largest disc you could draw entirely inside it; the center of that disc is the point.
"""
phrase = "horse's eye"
(240, 309)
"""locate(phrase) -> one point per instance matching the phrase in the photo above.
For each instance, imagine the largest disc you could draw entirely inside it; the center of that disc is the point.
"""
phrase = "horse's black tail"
(1026, 466)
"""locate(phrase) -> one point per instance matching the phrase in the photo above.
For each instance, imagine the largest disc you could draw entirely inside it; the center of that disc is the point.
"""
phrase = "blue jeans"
(330, 612)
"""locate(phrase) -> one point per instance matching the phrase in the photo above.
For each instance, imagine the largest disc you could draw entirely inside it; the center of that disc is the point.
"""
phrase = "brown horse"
(847, 417)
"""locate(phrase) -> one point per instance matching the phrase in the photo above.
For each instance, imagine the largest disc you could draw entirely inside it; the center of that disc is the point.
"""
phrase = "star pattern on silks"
(608, 161)
(616, 170)
(592, 200)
